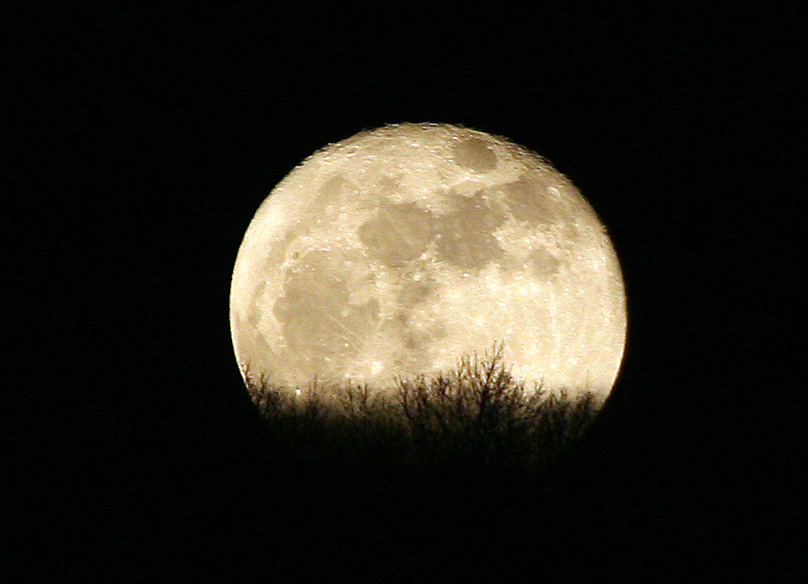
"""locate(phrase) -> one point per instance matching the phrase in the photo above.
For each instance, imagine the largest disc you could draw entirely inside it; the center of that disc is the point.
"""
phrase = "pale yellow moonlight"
(401, 249)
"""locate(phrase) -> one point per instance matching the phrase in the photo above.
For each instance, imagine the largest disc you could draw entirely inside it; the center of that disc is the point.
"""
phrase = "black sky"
(144, 140)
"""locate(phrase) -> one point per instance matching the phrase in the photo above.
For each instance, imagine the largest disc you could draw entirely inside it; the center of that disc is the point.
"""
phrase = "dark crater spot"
(466, 235)
(317, 319)
(542, 263)
(397, 233)
(332, 194)
(529, 200)
(475, 154)
(572, 235)
(415, 292)
(253, 318)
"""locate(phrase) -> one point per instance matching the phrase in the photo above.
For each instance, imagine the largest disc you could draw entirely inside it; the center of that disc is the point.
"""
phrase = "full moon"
(401, 249)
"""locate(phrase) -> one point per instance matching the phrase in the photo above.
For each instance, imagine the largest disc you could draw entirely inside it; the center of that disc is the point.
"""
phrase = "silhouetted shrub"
(475, 416)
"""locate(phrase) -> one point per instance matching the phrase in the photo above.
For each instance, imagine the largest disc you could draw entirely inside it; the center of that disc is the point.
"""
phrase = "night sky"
(143, 142)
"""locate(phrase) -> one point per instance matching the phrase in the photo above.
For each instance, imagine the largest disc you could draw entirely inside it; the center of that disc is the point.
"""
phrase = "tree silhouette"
(474, 416)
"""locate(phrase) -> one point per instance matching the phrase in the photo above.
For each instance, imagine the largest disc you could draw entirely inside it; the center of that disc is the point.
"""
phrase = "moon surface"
(401, 249)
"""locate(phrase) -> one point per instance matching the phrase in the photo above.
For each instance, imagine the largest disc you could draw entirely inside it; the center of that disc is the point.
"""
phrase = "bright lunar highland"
(402, 249)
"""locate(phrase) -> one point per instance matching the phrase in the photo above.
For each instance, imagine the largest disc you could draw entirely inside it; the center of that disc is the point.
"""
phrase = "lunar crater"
(529, 201)
(396, 233)
(475, 154)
